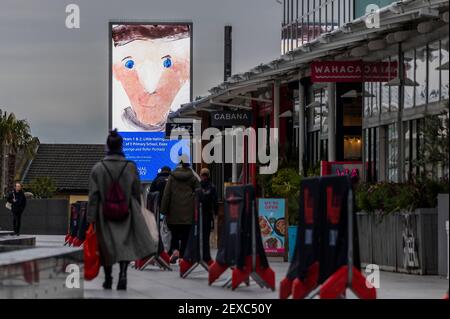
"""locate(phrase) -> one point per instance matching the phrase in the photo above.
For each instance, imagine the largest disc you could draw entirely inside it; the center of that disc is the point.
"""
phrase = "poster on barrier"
(272, 221)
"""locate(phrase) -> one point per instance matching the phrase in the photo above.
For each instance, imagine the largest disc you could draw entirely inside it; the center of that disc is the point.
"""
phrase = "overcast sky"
(57, 78)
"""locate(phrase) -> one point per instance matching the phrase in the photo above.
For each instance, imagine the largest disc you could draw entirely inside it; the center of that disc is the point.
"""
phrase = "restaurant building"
(351, 87)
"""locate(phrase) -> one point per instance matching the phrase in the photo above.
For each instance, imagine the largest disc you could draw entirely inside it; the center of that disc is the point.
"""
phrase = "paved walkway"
(155, 283)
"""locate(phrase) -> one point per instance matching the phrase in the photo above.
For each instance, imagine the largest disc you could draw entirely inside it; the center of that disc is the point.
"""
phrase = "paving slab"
(158, 284)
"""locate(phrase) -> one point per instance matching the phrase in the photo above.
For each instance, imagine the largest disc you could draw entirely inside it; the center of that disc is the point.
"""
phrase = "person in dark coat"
(118, 241)
(18, 203)
(160, 182)
(210, 207)
(178, 205)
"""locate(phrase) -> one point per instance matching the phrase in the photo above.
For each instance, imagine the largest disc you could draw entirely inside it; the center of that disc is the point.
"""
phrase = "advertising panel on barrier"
(150, 76)
(272, 221)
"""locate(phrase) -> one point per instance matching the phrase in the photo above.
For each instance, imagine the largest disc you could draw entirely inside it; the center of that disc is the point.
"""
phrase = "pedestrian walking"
(160, 182)
(210, 207)
(18, 202)
(178, 205)
(114, 208)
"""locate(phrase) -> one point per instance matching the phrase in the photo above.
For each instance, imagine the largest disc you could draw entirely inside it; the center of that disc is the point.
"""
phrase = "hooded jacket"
(178, 199)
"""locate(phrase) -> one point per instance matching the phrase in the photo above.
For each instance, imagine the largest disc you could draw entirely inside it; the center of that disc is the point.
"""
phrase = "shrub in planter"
(284, 184)
(387, 198)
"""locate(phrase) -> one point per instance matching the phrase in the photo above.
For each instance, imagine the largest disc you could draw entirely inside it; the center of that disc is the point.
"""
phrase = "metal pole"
(446, 227)
(301, 126)
(350, 237)
(253, 238)
(331, 121)
(276, 104)
(233, 155)
(200, 234)
(400, 135)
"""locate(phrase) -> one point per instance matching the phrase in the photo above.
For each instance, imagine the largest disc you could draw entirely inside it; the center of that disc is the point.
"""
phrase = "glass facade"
(423, 65)
(371, 153)
(318, 128)
(392, 153)
(410, 72)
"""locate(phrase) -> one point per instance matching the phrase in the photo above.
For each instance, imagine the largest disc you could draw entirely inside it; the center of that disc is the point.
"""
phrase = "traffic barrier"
(197, 248)
(77, 224)
(302, 275)
(241, 247)
(161, 258)
(325, 263)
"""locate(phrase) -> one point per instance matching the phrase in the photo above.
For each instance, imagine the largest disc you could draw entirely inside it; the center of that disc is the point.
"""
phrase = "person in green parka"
(178, 205)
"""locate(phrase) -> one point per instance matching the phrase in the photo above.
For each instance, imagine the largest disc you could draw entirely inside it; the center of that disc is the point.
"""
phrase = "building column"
(331, 121)
(301, 126)
(276, 104)
(401, 136)
(234, 177)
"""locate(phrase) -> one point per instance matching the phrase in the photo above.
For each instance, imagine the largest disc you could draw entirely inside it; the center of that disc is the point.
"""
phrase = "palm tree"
(15, 136)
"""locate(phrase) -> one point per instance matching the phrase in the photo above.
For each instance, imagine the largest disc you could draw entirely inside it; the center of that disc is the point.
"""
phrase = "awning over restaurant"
(401, 21)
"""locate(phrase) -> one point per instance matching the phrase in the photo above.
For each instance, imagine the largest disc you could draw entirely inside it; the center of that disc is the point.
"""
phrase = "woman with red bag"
(114, 208)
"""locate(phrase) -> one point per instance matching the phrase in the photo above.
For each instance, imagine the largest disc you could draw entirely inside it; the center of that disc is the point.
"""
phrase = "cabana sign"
(353, 71)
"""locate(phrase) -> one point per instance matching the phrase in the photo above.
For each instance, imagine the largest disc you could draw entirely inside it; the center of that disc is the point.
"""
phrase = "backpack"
(115, 207)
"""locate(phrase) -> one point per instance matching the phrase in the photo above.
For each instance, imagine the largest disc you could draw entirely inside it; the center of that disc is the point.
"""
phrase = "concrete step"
(18, 240)
(6, 232)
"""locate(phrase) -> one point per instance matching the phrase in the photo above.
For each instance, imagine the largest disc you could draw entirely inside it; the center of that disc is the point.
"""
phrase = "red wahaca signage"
(353, 71)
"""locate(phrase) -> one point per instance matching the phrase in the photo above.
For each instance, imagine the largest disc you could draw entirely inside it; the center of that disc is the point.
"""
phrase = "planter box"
(382, 241)
(442, 235)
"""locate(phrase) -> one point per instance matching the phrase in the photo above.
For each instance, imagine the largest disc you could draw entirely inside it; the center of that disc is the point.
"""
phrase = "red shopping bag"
(91, 254)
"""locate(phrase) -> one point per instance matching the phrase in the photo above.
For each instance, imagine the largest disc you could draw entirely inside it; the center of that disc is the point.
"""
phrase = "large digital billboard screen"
(150, 76)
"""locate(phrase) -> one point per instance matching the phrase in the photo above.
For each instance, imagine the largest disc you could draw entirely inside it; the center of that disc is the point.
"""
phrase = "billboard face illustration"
(150, 77)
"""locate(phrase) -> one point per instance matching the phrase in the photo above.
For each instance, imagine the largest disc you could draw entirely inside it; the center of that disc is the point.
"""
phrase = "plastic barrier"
(161, 258)
(197, 248)
(77, 224)
(241, 247)
(325, 264)
(303, 273)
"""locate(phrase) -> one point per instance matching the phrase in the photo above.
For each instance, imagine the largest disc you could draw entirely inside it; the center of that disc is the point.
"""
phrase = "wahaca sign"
(353, 71)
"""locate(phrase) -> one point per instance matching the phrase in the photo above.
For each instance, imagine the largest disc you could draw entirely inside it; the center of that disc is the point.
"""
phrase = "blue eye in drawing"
(129, 64)
(167, 63)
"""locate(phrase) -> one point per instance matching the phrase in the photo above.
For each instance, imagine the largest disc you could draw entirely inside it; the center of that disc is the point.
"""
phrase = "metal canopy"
(392, 18)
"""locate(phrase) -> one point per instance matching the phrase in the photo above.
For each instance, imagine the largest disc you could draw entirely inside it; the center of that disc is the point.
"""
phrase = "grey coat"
(119, 241)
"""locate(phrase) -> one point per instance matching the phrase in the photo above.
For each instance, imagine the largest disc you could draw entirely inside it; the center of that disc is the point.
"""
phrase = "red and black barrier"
(77, 224)
(303, 273)
(197, 252)
(241, 247)
(161, 258)
(325, 263)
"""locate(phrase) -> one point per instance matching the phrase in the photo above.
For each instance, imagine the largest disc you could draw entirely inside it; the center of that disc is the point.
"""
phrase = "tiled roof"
(69, 165)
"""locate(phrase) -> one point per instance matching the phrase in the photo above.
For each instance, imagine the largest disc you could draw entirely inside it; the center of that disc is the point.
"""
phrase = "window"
(368, 99)
(324, 111)
(371, 153)
(317, 107)
(376, 152)
(376, 98)
(410, 70)
(392, 153)
(444, 73)
(393, 92)
(433, 71)
(384, 98)
(408, 158)
(421, 76)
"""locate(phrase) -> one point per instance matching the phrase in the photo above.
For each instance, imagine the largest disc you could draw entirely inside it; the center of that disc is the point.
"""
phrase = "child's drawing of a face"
(152, 72)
